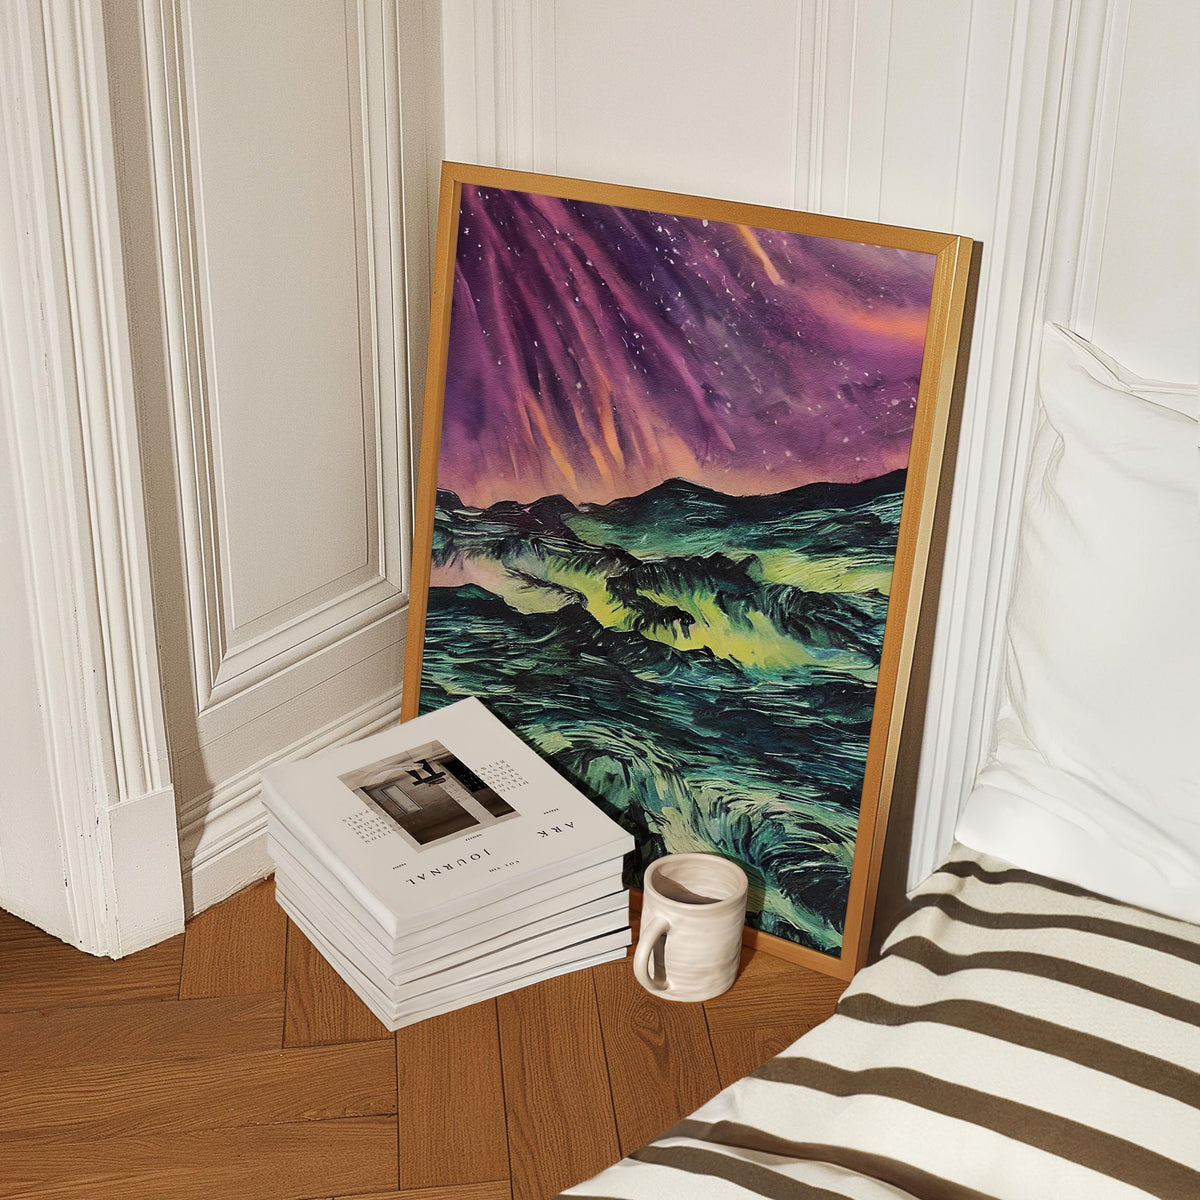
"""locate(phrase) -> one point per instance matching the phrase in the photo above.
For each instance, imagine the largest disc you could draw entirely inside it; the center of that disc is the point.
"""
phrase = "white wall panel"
(867, 64)
(270, 292)
(31, 853)
(90, 756)
(279, 207)
(702, 94)
(923, 112)
(692, 95)
(989, 79)
(1007, 193)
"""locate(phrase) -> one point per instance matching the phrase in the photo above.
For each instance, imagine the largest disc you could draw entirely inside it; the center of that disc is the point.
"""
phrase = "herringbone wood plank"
(771, 1003)
(740, 1051)
(114, 1088)
(140, 1031)
(321, 1008)
(446, 1067)
(770, 991)
(42, 972)
(218, 1092)
(497, 1189)
(290, 1161)
(555, 1086)
(236, 948)
(660, 1063)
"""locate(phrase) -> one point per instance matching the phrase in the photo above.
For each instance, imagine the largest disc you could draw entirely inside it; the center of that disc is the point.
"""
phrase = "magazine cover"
(438, 816)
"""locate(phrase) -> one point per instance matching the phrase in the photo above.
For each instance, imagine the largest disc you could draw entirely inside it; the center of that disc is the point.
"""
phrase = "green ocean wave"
(703, 701)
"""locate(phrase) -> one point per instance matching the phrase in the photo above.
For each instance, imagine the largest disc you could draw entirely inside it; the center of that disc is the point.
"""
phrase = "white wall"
(31, 845)
(1139, 278)
(105, 847)
(256, 181)
(1049, 131)
(30, 851)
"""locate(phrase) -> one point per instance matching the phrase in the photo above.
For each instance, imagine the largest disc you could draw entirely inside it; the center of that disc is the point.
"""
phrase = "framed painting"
(678, 468)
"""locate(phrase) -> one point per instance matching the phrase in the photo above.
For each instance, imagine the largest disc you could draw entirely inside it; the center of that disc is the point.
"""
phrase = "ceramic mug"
(693, 910)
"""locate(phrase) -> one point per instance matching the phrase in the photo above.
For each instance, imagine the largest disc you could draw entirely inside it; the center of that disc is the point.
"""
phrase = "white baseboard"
(223, 841)
(240, 863)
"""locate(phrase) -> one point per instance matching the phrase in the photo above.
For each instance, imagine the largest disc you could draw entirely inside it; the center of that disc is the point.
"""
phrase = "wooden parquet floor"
(232, 1062)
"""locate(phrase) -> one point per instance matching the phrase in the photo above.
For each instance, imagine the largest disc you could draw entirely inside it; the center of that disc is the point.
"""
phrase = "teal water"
(702, 666)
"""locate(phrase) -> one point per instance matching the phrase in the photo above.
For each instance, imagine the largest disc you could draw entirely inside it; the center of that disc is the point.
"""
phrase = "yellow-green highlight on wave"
(757, 643)
(594, 590)
(823, 574)
(754, 642)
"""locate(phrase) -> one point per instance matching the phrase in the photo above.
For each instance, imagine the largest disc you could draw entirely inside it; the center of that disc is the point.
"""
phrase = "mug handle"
(647, 939)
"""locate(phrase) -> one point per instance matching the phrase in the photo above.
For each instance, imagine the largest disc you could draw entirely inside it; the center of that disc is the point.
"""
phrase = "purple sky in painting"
(596, 351)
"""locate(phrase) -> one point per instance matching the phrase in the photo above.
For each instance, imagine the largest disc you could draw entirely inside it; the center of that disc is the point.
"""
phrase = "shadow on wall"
(891, 902)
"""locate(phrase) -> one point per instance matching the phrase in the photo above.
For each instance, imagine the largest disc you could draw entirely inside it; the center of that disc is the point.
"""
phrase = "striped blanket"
(1020, 1039)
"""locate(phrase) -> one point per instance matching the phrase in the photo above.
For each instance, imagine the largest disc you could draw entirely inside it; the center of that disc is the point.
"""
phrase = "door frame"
(70, 407)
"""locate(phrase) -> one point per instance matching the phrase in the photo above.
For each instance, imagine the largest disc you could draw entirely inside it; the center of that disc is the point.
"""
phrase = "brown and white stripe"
(1019, 1039)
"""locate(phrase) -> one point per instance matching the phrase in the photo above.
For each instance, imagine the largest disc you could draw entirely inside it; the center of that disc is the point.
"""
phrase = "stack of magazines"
(443, 862)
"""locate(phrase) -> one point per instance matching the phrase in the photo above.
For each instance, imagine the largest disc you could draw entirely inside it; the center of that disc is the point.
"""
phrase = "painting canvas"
(678, 466)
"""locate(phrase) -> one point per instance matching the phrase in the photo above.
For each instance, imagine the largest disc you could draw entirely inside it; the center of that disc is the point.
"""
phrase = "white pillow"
(1095, 776)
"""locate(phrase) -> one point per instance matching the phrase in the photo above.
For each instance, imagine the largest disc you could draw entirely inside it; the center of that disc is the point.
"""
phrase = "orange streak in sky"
(597, 410)
(593, 448)
(608, 427)
(899, 325)
(556, 452)
(748, 236)
(527, 430)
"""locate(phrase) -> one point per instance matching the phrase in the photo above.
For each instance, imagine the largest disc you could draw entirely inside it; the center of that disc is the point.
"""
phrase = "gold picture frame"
(615, 376)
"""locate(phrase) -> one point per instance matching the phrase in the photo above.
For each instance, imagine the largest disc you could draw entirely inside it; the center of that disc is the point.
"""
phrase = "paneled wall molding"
(827, 45)
(391, 135)
(180, 266)
(838, 44)
(858, 168)
(510, 80)
(258, 658)
(341, 661)
(232, 658)
(273, 673)
(1090, 130)
(416, 114)
(1055, 69)
(76, 440)
(513, 125)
